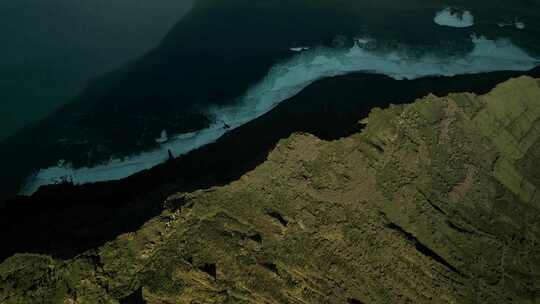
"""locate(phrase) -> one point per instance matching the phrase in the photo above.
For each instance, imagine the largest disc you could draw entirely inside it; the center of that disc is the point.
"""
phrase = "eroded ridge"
(433, 202)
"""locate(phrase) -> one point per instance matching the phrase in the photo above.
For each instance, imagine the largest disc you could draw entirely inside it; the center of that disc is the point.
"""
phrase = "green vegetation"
(433, 202)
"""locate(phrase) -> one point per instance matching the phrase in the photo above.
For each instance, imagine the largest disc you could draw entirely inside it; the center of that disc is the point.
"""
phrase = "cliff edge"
(433, 202)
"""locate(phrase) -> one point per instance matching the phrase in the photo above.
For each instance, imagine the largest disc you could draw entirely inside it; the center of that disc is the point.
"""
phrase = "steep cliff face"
(433, 202)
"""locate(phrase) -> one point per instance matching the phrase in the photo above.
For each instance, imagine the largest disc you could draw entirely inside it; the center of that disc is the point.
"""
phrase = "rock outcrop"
(433, 202)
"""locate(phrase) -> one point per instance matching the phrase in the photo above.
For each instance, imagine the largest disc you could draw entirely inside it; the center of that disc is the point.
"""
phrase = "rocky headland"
(434, 201)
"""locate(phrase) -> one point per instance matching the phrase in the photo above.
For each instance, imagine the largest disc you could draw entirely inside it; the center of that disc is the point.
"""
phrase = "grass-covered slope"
(433, 202)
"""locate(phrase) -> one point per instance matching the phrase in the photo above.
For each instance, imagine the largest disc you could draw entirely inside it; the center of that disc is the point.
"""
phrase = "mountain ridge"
(432, 202)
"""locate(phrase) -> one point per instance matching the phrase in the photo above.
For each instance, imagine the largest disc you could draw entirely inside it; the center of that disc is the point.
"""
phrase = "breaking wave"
(450, 18)
(286, 80)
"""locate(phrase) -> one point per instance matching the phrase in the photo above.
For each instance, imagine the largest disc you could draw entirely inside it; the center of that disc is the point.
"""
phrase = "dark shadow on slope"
(422, 248)
(135, 298)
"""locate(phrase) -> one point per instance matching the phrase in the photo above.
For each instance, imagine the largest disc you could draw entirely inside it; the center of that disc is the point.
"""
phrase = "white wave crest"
(516, 23)
(286, 80)
(448, 17)
(299, 49)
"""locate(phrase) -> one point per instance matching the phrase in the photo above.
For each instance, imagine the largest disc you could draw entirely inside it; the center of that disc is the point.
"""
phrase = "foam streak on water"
(286, 80)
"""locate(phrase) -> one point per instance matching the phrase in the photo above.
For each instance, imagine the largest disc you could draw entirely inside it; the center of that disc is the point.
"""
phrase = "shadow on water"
(66, 220)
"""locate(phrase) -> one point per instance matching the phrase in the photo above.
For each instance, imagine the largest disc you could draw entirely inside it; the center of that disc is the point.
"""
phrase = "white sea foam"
(117, 169)
(450, 18)
(363, 41)
(299, 49)
(516, 23)
(163, 137)
(286, 80)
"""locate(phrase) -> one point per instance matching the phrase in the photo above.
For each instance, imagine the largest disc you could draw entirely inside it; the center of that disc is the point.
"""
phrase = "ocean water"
(226, 64)
(50, 49)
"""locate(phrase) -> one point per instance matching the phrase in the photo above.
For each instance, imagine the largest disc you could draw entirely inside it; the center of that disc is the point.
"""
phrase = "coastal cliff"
(432, 202)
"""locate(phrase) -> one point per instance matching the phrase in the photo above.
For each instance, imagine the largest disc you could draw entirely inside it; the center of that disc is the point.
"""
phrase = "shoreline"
(66, 220)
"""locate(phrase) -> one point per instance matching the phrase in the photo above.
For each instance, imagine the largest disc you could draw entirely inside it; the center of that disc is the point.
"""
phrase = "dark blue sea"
(228, 63)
